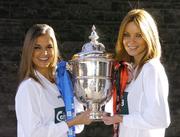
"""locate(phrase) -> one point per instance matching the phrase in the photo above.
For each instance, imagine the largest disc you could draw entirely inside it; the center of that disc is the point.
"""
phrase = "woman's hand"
(109, 120)
(82, 118)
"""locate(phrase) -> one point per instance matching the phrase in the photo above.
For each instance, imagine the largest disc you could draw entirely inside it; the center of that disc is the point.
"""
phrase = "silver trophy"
(92, 75)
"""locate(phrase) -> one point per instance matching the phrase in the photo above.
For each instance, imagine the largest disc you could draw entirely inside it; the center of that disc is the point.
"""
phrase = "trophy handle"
(69, 67)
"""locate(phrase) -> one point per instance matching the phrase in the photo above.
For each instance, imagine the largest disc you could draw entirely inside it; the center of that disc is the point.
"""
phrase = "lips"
(132, 47)
(43, 59)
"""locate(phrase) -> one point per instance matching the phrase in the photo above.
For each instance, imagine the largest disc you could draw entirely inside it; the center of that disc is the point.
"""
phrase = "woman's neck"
(47, 75)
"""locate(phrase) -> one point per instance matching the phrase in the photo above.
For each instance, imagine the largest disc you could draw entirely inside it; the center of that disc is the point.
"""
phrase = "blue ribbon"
(65, 87)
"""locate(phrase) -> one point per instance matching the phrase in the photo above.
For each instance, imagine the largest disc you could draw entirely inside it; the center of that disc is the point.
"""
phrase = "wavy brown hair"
(26, 69)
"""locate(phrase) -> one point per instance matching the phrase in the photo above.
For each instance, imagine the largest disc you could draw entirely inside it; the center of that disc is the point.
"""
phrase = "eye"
(37, 47)
(138, 35)
(49, 46)
(126, 34)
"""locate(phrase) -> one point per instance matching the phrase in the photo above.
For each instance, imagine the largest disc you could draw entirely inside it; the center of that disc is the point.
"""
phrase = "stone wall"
(72, 21)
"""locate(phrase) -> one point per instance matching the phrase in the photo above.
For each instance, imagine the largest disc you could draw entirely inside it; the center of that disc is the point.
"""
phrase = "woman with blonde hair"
(143, 109)
(40, 108)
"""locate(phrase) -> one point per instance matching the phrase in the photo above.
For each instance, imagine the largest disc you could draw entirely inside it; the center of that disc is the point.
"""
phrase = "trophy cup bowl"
(92, 78)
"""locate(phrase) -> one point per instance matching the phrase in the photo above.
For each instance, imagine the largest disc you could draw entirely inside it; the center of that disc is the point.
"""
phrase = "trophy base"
(97, 116)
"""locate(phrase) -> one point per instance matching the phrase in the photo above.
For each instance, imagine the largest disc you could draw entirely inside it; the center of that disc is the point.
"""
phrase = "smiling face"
(133, 42)
(43, 53)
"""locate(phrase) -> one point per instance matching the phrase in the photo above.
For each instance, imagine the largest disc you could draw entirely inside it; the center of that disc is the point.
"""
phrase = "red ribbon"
(123, 75)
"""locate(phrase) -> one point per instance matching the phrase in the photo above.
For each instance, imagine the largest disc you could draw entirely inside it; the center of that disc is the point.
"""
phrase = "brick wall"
(72, 21)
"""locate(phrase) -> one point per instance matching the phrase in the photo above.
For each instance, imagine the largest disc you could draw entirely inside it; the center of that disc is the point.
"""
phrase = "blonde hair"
(149, 31)
(26, 69)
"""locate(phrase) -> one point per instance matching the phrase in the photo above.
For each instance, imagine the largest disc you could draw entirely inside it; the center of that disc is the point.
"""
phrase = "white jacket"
(147, 103)
(35, 109)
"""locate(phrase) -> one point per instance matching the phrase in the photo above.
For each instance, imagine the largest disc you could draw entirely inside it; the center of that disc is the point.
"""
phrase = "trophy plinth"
(92, 76)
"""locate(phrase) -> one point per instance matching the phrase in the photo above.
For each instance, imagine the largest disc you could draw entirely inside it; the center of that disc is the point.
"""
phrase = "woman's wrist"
(119, 118)
(71, 123)
(75, 121)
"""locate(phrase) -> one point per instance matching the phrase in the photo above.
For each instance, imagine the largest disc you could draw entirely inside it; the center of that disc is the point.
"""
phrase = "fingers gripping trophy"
(92, 75)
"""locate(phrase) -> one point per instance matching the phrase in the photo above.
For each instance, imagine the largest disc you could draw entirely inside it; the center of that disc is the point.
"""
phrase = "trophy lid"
(93, 45)
(93, 49)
